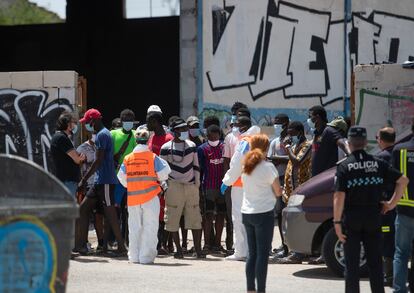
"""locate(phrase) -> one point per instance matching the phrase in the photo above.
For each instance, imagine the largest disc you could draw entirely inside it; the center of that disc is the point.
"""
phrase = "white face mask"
(278, 129)
(236, 131)
(93, 138)
(311, 123)
(214, 143)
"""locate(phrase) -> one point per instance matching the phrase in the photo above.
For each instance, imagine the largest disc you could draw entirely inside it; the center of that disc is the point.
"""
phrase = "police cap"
(357, 132)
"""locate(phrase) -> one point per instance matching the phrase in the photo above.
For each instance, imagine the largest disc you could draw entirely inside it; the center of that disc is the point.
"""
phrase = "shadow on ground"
(89, 260)
(322, 273)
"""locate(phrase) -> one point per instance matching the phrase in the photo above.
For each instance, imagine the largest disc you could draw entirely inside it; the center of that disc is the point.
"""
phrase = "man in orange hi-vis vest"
(144, 174)
(232, 178)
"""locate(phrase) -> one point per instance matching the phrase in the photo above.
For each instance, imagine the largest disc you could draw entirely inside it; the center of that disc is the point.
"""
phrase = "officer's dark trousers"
(363, 226)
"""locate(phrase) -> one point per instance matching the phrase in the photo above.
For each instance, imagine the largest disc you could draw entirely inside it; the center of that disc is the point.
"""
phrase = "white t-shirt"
(230, 143)
(258, 196)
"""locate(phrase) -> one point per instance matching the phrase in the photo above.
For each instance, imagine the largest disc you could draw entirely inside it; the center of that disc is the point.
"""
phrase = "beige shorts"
(182, 199)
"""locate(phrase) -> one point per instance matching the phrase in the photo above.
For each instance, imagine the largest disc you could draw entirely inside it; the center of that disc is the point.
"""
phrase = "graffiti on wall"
(27, 256)
(27, 123)
(298, 50)
(394, 108)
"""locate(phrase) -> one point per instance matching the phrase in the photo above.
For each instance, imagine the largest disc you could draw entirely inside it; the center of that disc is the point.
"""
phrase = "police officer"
(403, 159)
(386, 138)
(360, 180)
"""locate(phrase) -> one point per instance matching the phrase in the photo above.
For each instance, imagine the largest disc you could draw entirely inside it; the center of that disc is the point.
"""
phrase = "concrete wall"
(30, 103)
(286, 56)
(188, 58)
(384, 95)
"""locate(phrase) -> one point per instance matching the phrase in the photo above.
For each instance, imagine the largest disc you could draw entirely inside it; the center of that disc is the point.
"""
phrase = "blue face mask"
(89, 127)
(311, 124)
(75, 129)
(194, 132)
(127, 125)
(233, 119)
(295, 140)
(184, 135)
(278, 129)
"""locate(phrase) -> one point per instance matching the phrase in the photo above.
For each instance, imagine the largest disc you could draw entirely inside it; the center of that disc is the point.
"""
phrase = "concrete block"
(188, 58)
(68, 94)
(52, 94)
(187, 4)
(27, 80)
(188, 90)
(60, 79)
(188, 29)
(5, 80)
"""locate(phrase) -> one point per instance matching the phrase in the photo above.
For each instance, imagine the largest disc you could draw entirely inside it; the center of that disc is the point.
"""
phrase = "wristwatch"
(337, 222)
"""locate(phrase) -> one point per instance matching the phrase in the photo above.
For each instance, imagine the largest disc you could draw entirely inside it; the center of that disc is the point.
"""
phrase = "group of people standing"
(142, 185)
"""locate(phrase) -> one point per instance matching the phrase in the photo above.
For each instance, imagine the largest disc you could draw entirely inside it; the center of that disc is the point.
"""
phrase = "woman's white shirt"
(258, 196)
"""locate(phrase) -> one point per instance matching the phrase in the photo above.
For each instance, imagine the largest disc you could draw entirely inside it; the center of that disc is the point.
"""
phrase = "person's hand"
(223, 188)
(339, 234)
(386, 207)
(287, 140)
(82, 158)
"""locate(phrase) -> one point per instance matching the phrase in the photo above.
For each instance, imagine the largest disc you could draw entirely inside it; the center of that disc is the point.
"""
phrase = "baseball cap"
(357, 132)
(89, 115)
(339, 123)
(177, 123)
(142, 135)
(192, 120)
(154, 108)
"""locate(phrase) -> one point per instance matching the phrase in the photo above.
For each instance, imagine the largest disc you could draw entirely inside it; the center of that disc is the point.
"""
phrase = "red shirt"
(155, 142)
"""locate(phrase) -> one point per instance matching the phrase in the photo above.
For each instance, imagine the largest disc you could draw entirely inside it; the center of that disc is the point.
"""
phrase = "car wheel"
(334, 256)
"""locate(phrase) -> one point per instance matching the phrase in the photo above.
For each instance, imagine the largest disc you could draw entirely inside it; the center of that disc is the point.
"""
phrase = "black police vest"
(364, 181)
(407, 168)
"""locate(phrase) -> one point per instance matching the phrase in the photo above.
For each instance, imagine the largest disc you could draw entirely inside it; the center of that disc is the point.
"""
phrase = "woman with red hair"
(260, 189)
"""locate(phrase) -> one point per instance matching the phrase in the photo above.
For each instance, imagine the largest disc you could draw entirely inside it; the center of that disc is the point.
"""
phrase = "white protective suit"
(143, 219)
(231, 176)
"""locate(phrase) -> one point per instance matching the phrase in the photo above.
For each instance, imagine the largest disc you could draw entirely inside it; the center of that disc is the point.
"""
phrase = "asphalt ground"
(214, 274)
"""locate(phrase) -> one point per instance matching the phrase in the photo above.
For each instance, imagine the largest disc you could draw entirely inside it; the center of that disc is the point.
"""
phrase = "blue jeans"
(404, 236)
(72, 186)
(259, 230)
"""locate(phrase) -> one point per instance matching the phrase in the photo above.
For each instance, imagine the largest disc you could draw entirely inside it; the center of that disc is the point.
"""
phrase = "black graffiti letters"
(298, 50)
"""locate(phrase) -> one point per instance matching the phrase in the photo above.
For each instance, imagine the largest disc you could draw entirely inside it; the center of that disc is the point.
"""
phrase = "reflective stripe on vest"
(239, 182)
(386, 229)
(405, 200)
(142, 184)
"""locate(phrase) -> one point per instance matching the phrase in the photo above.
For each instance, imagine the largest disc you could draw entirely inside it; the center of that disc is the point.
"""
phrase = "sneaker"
(82, 251)
(163, 251)
(199, 255)
(206, 249)
(280, 254)
(317, 261)
(291, 260)
(235, 258)
(279, 249)
(219, 249)
(178, 255)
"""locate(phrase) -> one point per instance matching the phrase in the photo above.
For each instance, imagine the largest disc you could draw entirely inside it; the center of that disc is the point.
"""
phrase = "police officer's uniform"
(362, 177)
(403, 159)
(388, 220)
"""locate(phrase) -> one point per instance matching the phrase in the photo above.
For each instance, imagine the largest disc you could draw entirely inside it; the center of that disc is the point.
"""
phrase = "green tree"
(24, 12)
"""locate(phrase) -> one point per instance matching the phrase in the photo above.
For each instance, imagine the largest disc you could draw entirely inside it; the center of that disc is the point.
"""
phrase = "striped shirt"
(183, 160)
(211, 165)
